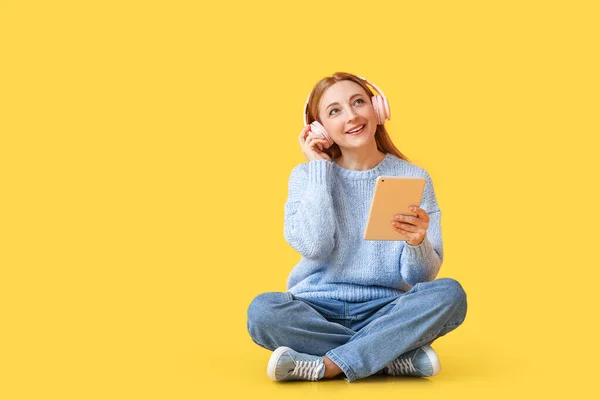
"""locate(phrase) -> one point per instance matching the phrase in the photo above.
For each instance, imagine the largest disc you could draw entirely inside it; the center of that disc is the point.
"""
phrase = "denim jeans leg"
(427, 311)
(277, 319)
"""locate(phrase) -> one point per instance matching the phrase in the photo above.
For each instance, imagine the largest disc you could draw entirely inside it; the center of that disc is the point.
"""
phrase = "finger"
(404, 232)
(313, 140)
(406, 227)
(422, 214)
(303, 132)
(316, 146)
(409, 219)
(411, 236)
(314, 137)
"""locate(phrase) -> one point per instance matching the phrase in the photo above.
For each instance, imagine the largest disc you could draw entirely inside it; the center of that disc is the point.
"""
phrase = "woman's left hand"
(414, 227)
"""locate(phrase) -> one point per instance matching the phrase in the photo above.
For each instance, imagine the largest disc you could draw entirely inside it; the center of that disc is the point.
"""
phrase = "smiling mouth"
(356, 132)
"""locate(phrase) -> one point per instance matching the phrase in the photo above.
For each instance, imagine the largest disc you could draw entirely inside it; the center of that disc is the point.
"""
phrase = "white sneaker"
(422, 361)
(286, 364)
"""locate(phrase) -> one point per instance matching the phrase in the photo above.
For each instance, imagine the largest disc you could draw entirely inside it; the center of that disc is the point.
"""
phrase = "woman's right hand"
(312, 145)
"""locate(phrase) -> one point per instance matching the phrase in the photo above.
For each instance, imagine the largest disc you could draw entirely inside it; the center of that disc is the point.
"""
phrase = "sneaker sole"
(435, 361)
(272, 366)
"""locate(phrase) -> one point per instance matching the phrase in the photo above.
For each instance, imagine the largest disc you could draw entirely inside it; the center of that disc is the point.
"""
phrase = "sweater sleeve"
(422, 263)
(309, 220)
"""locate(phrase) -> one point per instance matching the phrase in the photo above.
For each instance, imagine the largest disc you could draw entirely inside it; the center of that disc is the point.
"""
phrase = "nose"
(351, 114)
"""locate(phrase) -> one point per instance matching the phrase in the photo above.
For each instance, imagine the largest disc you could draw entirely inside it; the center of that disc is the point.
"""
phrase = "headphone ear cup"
(375, 103)
(318, 129)
(382, 109)
(386, 105)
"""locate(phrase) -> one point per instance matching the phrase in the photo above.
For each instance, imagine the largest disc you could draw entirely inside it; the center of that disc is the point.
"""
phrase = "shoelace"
(401, 366)
(308, 370)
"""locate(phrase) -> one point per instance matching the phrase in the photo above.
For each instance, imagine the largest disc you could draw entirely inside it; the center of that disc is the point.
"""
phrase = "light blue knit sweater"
(324, 219)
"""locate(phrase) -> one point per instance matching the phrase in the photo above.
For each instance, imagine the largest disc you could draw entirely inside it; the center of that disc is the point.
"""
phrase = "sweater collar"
(366, 174)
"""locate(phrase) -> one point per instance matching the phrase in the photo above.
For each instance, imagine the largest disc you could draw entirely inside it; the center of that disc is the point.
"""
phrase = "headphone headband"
(379, 91)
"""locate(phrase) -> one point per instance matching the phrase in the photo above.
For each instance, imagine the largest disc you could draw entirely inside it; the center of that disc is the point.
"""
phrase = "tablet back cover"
(393, 195)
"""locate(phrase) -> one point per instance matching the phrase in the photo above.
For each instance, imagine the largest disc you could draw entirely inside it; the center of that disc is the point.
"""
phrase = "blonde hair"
(382, 138)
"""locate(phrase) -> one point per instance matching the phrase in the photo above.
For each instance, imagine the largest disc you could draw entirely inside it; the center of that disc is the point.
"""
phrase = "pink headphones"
(380, 105)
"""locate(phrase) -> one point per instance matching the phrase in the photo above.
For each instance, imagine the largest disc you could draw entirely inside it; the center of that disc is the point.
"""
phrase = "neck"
(360, 159)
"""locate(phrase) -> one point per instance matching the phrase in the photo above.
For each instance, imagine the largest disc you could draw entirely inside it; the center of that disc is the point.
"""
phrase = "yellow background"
(145, 152)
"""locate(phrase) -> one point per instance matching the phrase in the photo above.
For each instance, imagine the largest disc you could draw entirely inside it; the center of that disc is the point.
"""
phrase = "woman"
(354, 306)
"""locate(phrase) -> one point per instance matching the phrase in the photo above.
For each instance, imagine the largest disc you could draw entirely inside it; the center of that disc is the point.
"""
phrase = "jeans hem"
(350, 375)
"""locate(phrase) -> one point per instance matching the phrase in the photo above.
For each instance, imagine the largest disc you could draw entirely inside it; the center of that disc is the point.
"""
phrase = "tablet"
(393, 195)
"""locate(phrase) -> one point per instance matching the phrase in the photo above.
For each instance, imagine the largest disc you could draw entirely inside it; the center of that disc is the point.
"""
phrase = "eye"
(359, 99)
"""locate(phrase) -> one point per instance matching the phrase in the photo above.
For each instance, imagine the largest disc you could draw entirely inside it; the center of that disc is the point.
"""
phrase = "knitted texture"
(325, 216)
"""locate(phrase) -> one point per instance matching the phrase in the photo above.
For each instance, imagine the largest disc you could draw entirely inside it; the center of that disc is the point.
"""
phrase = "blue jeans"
(361, 338)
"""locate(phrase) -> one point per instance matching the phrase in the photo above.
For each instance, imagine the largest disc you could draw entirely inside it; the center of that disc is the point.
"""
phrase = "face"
(344, 106)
